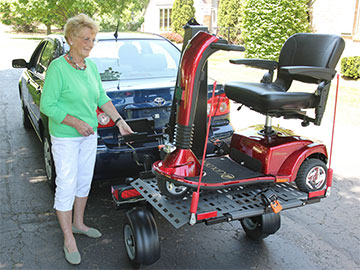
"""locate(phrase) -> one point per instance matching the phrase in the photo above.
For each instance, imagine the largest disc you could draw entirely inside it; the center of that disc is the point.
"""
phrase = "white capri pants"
(74, 160)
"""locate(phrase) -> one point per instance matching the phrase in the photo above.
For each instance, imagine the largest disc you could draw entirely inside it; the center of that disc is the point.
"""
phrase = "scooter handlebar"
(227, 47)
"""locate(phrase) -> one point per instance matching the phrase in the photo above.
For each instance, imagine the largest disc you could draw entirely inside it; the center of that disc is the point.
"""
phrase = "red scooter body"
(253, 158)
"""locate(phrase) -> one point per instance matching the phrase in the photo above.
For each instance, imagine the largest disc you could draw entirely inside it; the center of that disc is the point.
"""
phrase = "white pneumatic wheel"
(312, 175)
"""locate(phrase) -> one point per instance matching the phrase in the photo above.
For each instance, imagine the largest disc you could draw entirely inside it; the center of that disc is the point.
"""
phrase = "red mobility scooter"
(263, 171)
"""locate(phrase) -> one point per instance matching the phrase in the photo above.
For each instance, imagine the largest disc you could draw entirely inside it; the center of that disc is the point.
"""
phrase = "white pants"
(74, 160)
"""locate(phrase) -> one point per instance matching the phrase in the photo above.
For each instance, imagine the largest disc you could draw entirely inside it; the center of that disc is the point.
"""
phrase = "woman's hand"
(124, 128)
(82, 127)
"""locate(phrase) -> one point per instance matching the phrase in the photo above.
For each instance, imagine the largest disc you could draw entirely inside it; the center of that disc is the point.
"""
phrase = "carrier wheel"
(141, 237)
(171, 190)
(49, 161)
(260, 227)
(311, 175)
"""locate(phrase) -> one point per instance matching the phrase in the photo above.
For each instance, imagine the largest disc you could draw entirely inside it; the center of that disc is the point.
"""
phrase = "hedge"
(350, 67)
(267, 24)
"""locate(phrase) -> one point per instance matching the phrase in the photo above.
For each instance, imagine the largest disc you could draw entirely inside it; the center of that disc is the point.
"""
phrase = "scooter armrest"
(256, 63)
(227, 47)
(318, 73)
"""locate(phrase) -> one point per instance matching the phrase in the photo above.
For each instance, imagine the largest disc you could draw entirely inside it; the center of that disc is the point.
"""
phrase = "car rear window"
(135, 59)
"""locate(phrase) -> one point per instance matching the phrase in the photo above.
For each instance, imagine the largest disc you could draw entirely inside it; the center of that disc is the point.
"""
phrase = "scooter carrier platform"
(223, 205)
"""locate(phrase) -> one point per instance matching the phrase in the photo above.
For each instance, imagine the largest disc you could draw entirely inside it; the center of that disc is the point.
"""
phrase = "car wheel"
(312, 175)
(49, 162)
(171, 190)
(260, 227)
(141, 237)
(25, 117)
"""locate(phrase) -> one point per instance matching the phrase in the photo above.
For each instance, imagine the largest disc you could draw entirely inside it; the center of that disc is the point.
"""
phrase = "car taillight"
(221, 105)
(103, 119)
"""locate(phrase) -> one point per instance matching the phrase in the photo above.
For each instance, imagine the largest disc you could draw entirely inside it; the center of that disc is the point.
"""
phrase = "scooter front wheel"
(171, 190)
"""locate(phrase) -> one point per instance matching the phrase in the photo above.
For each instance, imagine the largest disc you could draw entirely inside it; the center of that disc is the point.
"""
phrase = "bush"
(350, 67)
(229, 20)
(182, 11)
(267, 24)
(174, 37)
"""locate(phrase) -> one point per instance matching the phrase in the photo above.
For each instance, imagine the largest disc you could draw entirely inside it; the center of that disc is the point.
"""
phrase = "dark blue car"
(138, 72)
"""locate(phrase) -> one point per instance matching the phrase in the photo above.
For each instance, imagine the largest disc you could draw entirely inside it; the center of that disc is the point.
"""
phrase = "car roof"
(121, 36)
(128, 35)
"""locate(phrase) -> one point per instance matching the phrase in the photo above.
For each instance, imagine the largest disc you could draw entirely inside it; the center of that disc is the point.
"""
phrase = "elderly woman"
(71, 94)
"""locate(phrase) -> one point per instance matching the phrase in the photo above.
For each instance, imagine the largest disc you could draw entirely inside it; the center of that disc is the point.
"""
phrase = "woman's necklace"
(74, 64)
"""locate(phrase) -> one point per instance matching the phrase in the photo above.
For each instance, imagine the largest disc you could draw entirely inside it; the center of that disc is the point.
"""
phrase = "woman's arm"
(82, 127)
(111, 111)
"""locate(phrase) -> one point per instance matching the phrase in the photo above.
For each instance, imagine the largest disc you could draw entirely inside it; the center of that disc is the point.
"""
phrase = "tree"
(56, 12)
(230, 19)
(182, 11)
(267, 24)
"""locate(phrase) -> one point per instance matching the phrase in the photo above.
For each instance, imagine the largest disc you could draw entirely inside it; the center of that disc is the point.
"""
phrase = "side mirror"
(19, 63)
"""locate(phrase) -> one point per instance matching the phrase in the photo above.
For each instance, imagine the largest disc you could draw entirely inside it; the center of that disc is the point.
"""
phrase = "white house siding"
(203, 11)
(334, 16)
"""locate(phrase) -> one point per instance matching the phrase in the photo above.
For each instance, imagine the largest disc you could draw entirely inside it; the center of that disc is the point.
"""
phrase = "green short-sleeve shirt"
(70, 91)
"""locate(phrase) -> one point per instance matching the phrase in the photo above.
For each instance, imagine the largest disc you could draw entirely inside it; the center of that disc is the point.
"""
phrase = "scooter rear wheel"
(312, 175)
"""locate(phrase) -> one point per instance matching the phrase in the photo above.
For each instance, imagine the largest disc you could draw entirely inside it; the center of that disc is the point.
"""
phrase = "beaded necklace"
(74, 64)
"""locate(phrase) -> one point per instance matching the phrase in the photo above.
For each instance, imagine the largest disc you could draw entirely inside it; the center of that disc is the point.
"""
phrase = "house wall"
(203, 11)
(334, 16)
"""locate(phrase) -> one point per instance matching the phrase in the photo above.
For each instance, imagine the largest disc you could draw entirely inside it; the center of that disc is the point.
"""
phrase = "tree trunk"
(48, 29)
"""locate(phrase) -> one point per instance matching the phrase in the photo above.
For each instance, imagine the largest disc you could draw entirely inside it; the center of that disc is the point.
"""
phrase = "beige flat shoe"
(92, 233)
(73, 257)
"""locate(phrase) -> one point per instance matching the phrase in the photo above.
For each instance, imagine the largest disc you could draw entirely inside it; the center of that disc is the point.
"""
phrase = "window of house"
(165, 19)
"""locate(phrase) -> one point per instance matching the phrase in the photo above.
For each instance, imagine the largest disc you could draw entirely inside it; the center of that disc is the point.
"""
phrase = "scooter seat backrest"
(305, 49)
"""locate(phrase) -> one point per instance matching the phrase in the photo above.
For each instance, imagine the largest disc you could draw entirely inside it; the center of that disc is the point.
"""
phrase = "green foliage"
(57, 12)
(350, 67)
(131, 19)
(267, 24)
(230, 19)
(182, 12)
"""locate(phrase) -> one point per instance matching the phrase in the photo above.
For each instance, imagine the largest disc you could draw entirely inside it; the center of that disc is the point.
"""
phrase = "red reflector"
(115, 193)
(206, 215)
(318, 193)
(130, 193)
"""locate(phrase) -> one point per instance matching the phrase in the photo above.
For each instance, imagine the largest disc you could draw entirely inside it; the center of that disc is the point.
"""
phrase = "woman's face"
(82, 43)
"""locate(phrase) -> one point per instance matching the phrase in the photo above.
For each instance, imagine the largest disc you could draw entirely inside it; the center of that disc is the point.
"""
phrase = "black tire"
(312, 175)
(171, 190)
(260, 227)
(141, 237)
(49, 161)
(25, 117)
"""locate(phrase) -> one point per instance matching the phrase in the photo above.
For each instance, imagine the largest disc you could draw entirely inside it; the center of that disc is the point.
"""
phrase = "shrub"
(182, 11)
(229, 20)
(267, 24)
(174, 37)
(350, 67)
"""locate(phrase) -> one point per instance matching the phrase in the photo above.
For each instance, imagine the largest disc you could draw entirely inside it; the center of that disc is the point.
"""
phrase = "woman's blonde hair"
(76, 23)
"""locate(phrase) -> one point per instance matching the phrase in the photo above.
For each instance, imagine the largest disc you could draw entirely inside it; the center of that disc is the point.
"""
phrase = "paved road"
(319, 236)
